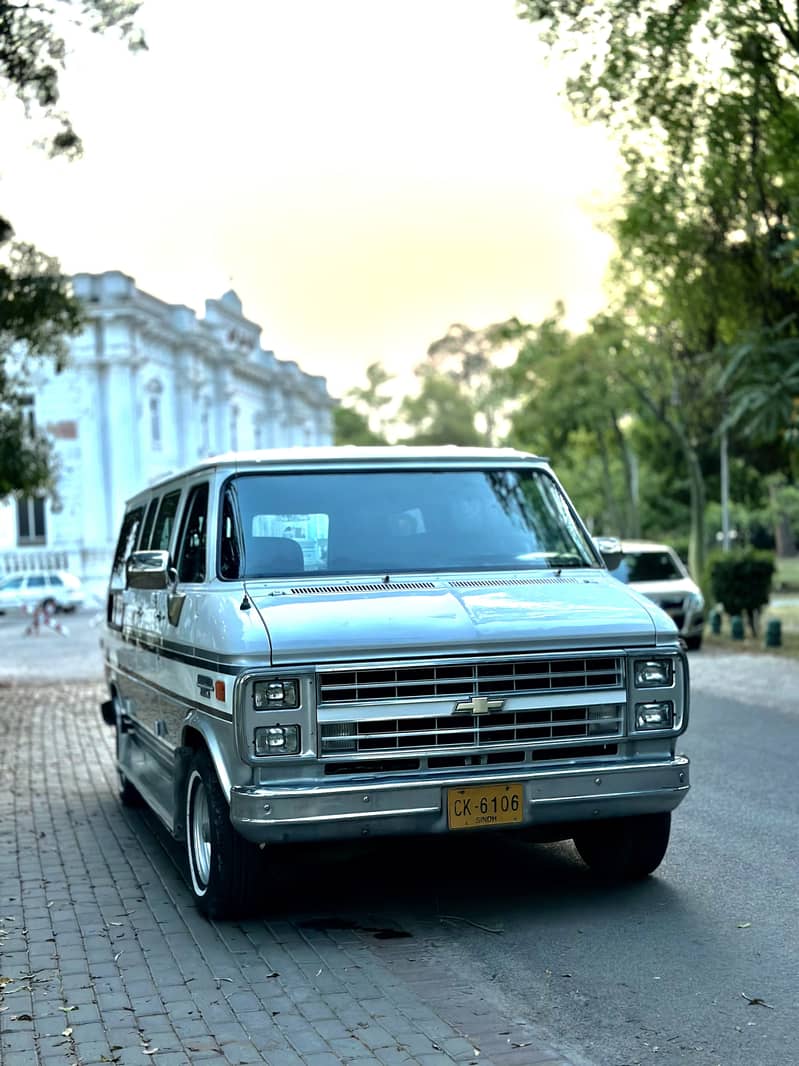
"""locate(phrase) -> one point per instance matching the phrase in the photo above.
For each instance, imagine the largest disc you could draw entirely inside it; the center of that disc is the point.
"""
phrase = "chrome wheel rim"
(199, 833)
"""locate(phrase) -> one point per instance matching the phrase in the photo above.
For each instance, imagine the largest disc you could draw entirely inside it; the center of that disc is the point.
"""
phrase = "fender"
(216, 733)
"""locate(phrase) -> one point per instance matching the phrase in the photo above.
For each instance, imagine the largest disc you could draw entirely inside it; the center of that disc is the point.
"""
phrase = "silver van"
(350, 643)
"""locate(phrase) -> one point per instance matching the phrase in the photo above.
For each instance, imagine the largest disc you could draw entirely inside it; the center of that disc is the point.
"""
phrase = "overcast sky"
(363, 173)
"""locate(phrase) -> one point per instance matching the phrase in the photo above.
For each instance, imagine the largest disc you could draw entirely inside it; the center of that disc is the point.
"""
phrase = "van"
(310, 646)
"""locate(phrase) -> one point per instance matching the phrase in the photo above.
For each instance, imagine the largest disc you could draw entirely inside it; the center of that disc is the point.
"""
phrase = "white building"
(149, 389)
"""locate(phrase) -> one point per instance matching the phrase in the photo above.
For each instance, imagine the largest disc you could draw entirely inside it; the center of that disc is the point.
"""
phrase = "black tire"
(693, 643)
(223, 866)
(625, 849)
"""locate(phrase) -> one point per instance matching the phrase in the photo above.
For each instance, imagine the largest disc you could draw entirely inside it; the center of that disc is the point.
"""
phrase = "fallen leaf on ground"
(756, 1001)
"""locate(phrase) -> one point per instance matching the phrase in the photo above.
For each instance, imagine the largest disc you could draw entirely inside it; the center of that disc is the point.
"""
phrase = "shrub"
(740, 581)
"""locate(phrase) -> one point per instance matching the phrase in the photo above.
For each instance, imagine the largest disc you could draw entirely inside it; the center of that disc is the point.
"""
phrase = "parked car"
(54, 589)
(657, 571)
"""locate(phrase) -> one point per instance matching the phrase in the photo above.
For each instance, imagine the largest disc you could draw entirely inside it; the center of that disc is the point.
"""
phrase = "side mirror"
(147, 570)
(610, 550)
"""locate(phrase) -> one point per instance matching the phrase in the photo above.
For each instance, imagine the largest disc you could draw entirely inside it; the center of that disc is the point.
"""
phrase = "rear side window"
(165, 521)
(147, 528)
(127, 539)
(191, 557)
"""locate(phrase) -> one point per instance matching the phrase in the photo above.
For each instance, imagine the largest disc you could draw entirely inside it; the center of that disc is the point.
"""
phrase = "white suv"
(657, 571)
(55, 589)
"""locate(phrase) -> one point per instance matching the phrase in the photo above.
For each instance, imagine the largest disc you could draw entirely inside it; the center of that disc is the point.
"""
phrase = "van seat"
(268, 556)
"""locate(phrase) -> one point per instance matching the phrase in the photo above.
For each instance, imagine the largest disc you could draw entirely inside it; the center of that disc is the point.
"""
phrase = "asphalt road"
(698, 966)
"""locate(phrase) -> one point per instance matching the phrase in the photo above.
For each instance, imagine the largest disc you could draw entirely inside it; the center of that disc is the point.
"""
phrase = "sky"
(363, 173)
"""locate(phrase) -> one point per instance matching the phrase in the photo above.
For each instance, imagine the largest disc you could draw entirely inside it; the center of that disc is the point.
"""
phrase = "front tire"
(223, 866)
(625, 849)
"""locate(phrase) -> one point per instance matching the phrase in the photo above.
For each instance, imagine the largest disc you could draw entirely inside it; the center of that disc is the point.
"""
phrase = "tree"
(571, 405)
(37, 308)
(351, 427)
(369, 404)
(702, 99)
(442, 412)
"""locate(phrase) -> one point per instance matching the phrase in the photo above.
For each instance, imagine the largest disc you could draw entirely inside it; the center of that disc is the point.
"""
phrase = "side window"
(37, 582)
(229, 552)
(191, 557)
(147, 528)
(127, 538)
(165, 521)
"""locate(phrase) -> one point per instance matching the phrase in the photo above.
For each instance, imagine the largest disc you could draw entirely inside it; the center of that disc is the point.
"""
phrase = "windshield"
(648, 566)
(347, 522)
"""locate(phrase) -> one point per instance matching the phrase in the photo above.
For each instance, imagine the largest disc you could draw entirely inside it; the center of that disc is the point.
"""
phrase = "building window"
(31, 525)
(205, 429)
(155, 421)
(234, 429)
(154, 390)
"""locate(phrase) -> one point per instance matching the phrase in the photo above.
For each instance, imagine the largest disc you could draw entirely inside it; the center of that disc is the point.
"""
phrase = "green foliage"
(351, 427)
(701, 98)
(442, 412)
(32, 52)
(26, 461)
(740, 581)
(37, 308)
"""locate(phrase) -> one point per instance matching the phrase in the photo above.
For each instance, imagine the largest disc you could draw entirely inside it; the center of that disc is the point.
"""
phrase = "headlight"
(276, 695)
(654, 715)
(653, 673)
(277, 740)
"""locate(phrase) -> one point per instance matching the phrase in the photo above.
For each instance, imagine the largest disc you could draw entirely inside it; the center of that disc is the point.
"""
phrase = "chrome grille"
(468, 679)
(461, 731)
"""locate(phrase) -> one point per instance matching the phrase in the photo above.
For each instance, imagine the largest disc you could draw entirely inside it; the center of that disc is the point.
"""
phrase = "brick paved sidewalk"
(105, 959)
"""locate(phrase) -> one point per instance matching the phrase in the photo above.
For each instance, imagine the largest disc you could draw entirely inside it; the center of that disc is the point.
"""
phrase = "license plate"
(469, 808)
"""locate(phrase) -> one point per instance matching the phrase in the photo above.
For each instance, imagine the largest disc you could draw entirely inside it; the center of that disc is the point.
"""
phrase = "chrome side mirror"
(147, 570)
(610, 550)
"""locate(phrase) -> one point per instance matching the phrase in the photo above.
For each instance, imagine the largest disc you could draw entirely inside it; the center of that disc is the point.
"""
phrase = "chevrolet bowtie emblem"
(478, 705)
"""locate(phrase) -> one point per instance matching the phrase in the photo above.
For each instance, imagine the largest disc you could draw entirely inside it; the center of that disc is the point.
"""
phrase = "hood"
(480, 615)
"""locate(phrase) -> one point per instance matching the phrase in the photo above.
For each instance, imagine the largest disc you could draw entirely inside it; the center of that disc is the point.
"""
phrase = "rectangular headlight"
(277, 694)
(653, 673)
(654, 715)
(277, 740)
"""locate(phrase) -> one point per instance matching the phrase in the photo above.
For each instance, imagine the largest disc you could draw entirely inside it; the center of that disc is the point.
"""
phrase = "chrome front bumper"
(327, 812)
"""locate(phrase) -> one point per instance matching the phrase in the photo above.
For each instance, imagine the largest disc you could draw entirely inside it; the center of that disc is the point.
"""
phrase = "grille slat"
(469, 731)
(428, 681)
